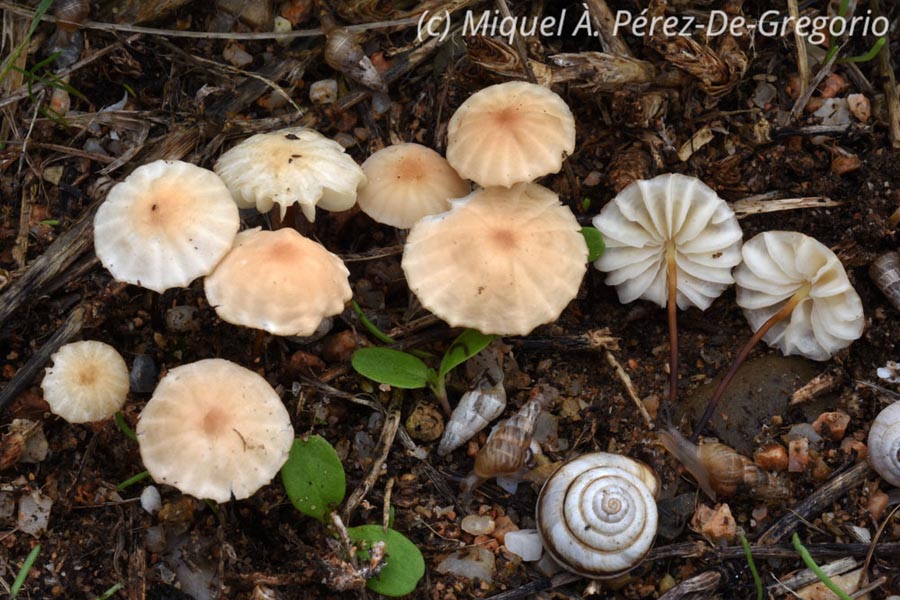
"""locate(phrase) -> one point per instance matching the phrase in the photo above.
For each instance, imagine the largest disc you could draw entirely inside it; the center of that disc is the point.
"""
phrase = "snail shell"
(506, 449)
(720, 470)
(884, 444)
(597, 516)
(344, 54)
(885, 272)
(70, 14)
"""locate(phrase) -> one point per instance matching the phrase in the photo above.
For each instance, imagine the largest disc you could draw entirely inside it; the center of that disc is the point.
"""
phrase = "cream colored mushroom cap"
(166, 224)
(293, 165)
(407, 182)
(510, 133)
(278, 281)
(214, 429)
(779, 263)
(500, 261)
(648, 217)
(87, 382)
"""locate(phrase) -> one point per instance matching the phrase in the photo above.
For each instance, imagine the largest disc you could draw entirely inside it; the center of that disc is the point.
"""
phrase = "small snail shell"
(596, 514)
(344, 54)
(884, 444)
(476, 409)
(70, 14)
(885, 272)
(721, 470)
(506, 448)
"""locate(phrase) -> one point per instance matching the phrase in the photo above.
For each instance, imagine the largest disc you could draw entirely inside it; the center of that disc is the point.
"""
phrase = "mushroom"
(166, 224)
(278, 281)
(214, 429)
(406, 182)
(670, 240)
(87, 382)
(293, 165)
(510, 133)
(797, 297)
(501, 260)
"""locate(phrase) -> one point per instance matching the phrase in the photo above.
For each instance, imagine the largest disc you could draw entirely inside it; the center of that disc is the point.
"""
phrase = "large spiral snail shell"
(884, 444)
(597, 516)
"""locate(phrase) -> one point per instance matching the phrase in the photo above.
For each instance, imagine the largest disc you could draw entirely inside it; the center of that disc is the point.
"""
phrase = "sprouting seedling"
(405, 371)
(315, 482)
(752, 564)
(812, 566)
(865, 57)
(670, 240)
(23, 572)
(797, 297)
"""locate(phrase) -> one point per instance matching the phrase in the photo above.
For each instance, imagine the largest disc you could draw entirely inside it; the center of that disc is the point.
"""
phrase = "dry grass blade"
(759, 205)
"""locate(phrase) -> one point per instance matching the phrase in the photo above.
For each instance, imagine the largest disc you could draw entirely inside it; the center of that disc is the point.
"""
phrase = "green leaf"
(313, 477)
(392, 367)
(29, 562)
(370, 326)
(469, 343)
(404, 563)
(595, 244)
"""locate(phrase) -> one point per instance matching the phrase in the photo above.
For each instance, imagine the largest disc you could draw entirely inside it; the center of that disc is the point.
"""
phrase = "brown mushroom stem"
(672, 307)
(785, 311)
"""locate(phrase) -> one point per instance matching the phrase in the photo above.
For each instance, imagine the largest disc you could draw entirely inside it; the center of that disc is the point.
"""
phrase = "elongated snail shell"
(597, 516)
(506, 449)
(885, 272)
(884, 444)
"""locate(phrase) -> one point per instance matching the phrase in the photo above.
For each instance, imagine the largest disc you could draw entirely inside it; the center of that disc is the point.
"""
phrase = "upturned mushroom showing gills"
(406, 182)
(87, 382)
(670, 240)
(166, 224)
(214, 430)
(501, 261)
(797, 297)
(293, 165)
(510, 133)
(278, 281)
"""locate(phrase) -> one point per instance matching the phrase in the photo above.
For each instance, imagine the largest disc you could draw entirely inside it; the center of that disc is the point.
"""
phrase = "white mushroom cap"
(501, 260)
(214, 429)
(278, 281)
(510, 133)
(166, 224)
(779, 263)
(293, 165)
(407, 182)
(87, 382)
(672, 211)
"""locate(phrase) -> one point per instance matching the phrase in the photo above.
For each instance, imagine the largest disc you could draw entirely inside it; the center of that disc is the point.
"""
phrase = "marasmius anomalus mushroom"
(501, 260)
(88, 382)
(214, 430)
(166, 224)
(406, 182)
(510, 133)
(293, 165)
(670, 240)
(797, 297)
(278, 281)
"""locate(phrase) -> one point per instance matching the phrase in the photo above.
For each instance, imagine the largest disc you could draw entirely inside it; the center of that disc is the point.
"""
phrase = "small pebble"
(155, 539)
(798, 455)
(324, 91)
(505, 525)
(469, 562)
(878, 502)
(525, 544)
(150, 499)
(772, 457)
(143, 374)
(715, 524)
(478, 525)
(236, 55)
(425, 423)
(181, 319)
(859, 107)
(34, 513)
(832, 425)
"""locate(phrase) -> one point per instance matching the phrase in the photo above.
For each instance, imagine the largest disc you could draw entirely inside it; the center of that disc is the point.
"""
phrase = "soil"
(185, 101)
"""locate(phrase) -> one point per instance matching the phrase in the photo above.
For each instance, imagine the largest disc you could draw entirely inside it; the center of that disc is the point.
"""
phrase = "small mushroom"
(87, 382)
(406, 182)
(278, 281)
(166, 224)
(214, 429)
(510, 133)
(500, 260)
(293, 165)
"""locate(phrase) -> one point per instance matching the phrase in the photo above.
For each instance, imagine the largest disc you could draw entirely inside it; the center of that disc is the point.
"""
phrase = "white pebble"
(34, 513)
(324, 91)
(478, 525)
(150, 500)
(525, 543)
(469, 562)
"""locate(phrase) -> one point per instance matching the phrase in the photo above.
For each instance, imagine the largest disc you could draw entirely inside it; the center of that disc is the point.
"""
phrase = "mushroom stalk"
(785, 311)
(672, 307)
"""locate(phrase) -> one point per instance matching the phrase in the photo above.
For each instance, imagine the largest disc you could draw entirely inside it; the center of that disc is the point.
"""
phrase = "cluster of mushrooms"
(502, 259)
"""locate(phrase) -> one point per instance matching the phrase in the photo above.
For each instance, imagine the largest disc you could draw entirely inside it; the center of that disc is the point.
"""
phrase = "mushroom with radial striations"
(293, 165)
(278, 281)
(214, 430)
(87, 382)
(501, 260)
(166, 224)
(406, 182)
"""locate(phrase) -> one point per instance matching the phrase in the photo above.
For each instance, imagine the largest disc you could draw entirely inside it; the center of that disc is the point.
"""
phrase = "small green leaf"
(392, 367)
(404, 563)
(133, 480)
(469, 343)
(585, 204)
(26, 567)
(313, 477)
(595, 244)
